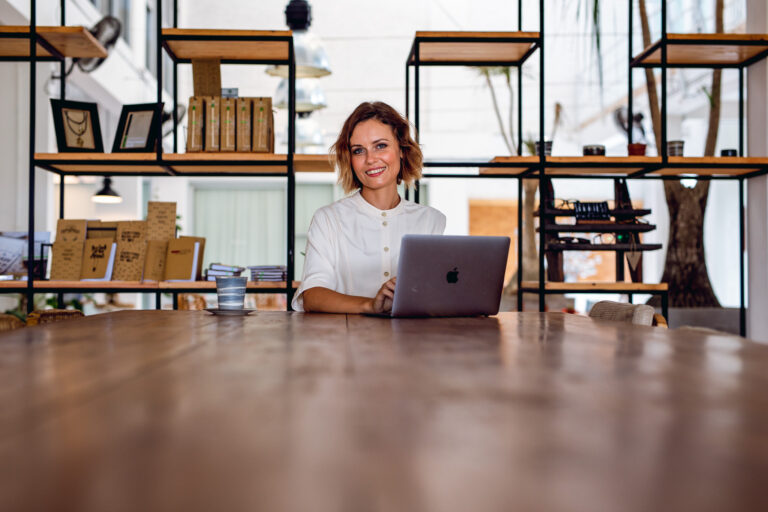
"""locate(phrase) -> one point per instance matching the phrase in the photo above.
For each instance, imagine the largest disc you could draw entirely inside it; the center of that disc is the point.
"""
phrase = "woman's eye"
(357, 151)
(381, 145)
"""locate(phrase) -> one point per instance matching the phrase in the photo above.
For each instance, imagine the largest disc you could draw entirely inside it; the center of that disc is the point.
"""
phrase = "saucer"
(230, 312)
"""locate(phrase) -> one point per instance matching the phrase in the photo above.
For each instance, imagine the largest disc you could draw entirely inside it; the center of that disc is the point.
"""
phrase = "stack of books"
(268, 273)
(219, 269)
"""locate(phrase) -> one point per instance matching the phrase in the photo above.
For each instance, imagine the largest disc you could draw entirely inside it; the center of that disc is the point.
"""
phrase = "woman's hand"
(382, 302)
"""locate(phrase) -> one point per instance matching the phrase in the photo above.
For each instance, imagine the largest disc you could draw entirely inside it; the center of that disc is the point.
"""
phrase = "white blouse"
(353, 247)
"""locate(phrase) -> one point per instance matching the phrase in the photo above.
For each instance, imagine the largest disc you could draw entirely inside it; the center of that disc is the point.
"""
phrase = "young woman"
(353, 245)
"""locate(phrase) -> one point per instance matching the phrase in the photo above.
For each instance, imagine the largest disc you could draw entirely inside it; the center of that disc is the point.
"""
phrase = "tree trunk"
(685, 268)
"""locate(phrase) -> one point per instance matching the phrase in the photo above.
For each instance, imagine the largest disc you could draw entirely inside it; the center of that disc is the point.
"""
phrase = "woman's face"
(375, 154)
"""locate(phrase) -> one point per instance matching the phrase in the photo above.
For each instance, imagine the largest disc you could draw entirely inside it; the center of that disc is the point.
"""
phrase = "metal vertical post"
(742, 306)
(291, 177)
(175, 83)
(542, 159)
(31, 197)
(519, 244)
(407, 104)
(417, 105)
(519, 15)
(519, 110)
(663, 149)
(630, 88)
(740, 70)
(159, 64)
(63, 63)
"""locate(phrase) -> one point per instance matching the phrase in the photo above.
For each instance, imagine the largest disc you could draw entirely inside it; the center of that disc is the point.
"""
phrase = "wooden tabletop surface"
(182, 410)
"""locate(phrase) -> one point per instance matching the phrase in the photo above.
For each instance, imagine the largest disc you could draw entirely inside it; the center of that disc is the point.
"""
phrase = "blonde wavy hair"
(411, 162)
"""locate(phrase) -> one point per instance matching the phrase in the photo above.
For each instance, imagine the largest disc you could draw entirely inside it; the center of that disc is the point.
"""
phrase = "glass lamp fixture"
(106, 195)
(311, 59)
(309, 95)
(309, 138)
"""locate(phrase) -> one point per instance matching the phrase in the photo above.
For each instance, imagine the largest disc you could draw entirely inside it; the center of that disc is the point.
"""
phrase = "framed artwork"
(138, 128)
(77, 126)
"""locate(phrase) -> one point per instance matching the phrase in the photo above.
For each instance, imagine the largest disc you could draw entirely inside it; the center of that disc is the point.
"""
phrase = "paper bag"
(228, 110)
(195, 125)
(181, 259)
(200, 254)
(131, 250)
(68, 230)
(243, 124)
(98, 259)
(212, 123)
(262, 126)
(67, 260)
(161, 220)
(206, 77)
(154, 262)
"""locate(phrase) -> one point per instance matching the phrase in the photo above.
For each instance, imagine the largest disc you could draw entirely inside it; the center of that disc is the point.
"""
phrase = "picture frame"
(137, 129)
(77, 126)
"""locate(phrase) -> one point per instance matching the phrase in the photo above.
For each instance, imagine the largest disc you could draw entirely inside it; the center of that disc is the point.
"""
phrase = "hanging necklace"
(77, 127)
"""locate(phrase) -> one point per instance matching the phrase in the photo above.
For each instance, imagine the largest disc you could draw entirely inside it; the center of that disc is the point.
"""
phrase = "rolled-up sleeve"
(320, 261)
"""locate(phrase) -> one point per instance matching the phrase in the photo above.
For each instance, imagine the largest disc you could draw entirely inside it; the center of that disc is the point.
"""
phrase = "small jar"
(594, 150)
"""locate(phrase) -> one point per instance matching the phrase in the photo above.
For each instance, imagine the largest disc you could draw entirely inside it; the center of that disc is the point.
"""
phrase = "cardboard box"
(181, 260)
(161, 220)
(154, 262)
(131, 250)
(228, 111)
(243, 124)
(67, 259)
(262, 124)
(206, 77)
(195, 122)
(212, 123)
(200, 254)
(68, 230)
(98, 259)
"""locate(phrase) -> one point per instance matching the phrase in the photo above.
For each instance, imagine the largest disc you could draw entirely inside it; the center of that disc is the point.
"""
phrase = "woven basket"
(9, 322)
(48, 316)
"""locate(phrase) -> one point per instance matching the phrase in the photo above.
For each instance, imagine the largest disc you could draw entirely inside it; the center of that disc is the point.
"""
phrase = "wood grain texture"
(147, 285)
(69, 41)
(484, 49)
(622, 286)
(213, 45)
(524, 411)
(730, 51)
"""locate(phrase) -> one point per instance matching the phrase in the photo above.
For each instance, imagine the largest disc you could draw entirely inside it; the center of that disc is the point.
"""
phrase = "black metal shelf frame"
(644, 170)
(34, 38)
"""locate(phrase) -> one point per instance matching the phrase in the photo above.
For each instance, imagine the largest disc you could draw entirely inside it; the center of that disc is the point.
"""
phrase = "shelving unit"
(34, 44)
(672, 50)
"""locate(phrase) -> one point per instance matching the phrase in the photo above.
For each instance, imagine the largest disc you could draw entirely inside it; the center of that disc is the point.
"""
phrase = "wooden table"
(181, 410)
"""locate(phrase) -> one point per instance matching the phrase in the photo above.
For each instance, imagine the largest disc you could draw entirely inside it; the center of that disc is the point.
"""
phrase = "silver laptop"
(440, 275)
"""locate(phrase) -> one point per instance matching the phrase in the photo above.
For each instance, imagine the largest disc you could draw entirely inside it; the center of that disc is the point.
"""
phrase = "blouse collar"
(366, 207)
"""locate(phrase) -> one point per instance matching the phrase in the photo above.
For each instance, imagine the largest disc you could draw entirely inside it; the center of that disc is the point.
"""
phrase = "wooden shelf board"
(514, 164)
(485, 49)
(734, 49)
(214, 44)
(598, 286)
(181, 163)
(133, 285)
(102, 163)
(312, 163)
(722, 166)
(69, 41)
(591, 165)
(602, 247)
(608, 227)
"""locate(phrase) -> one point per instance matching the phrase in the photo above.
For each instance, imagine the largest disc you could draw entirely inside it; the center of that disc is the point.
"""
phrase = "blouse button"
(386, 249)
(383, 214)
(384, 223)
(386, 274)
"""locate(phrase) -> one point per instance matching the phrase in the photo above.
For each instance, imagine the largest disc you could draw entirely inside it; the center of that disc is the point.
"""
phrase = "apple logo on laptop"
(452, 276)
